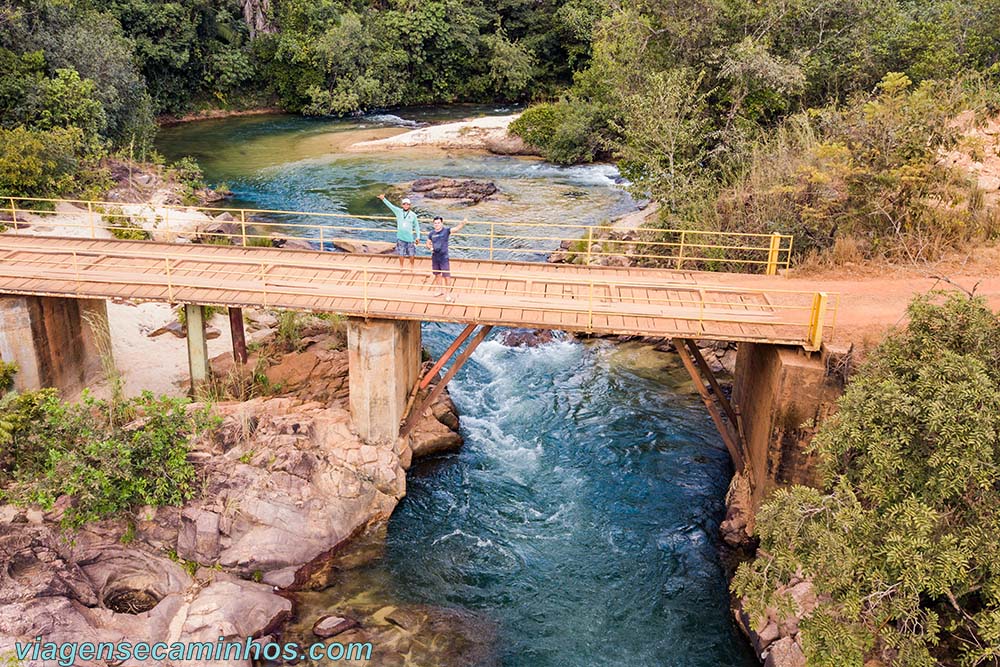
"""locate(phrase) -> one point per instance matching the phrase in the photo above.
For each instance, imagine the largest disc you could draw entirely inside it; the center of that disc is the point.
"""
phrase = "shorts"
(406, 248)
(440, 265)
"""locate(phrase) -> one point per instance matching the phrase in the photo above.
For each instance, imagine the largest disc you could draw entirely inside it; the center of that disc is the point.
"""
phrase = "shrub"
(110, 456)
(208, 312)
(7, 372)
(123, 228)
(39, 163)
(289, 331)
(187, 172)
(870, 170)
(566, 132)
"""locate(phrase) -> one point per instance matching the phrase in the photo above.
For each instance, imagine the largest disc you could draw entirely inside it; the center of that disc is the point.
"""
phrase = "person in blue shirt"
(437, 243)
(407, 230)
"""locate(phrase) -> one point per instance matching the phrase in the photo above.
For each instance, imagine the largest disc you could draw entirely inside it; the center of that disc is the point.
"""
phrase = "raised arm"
(457, 228)
(392, 207)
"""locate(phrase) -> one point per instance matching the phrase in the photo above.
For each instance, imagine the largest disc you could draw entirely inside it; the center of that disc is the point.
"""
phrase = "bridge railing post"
(590, 309)
(364, 289)
(772, 254)
(816, 318)
(90, 219)
(243, 226)
(170, 282)
(590, 243)
(13, 213)
(701, 311)
(76, 272)
(680, 252)
(492, 228)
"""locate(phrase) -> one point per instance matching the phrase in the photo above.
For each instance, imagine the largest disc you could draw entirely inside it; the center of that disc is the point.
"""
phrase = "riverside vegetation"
(902, 542)
(83, 80)
(821, 118)
(109, 456)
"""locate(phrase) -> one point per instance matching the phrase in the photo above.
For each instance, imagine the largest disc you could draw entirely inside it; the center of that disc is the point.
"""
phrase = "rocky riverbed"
(287, 486)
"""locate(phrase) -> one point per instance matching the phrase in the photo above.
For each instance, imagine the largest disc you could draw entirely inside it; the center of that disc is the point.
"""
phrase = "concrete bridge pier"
(384, 360)
(781, 392)
(55, 342)
(197, 345)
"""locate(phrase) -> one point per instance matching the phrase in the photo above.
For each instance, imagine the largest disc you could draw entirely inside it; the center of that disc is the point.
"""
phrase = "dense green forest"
(83, 79)
(821, 118)
(826, 119)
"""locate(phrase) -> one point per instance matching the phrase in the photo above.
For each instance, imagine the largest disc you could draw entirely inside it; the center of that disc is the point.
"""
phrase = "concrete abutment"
(384, 358)
(781, 393)
(55, 341)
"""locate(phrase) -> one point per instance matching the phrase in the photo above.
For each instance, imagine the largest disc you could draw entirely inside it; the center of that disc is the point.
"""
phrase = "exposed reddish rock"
(449, 188)
(331, 626)
(527, 337)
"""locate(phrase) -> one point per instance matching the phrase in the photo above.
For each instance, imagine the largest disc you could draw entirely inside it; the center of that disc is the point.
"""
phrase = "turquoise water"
(290, 163)
(581, 517)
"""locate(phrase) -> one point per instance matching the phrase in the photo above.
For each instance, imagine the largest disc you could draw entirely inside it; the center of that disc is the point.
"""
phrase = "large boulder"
(527, 337)
(785, 653)
(449, 188)
(362, 246)
(293, 482)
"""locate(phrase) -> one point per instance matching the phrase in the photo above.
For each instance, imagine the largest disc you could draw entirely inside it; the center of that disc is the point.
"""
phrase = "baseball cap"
(406, 200)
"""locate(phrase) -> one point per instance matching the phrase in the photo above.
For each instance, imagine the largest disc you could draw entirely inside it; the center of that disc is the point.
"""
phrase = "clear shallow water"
(297, 164)
(581, 516)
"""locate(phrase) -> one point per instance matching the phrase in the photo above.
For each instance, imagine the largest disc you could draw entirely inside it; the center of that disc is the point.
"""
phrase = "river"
(581, 517)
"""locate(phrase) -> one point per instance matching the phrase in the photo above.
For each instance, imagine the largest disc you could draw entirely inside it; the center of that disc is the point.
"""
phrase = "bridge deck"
(631, 301)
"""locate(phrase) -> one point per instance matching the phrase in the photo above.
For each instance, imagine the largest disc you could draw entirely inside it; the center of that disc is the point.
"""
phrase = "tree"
(512, 66)
(903, 540)
(39, 163)
(664, 138)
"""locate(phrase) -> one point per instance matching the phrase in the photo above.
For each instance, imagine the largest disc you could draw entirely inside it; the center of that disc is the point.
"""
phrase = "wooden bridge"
(630, 301)
(72, 252)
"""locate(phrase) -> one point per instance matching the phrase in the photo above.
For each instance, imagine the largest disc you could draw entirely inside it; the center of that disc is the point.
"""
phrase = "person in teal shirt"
(407, 230)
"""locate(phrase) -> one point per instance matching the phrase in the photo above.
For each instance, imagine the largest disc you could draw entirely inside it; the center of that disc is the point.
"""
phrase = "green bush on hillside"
(40, 163)
(869, 171)
(903, 540)
(110, 456)
(567, 132)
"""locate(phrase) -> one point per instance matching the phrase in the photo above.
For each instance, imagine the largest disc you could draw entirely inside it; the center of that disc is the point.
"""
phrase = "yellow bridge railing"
(578, 301)
(482, 239)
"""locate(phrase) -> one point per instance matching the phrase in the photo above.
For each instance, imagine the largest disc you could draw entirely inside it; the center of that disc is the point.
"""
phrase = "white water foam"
(586, 174)
(391, 119)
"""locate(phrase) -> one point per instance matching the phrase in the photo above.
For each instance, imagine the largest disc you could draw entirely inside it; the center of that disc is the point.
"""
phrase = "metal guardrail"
(793, 317)
(485, 239)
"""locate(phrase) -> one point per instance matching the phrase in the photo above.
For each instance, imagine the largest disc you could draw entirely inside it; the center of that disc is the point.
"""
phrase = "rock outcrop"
(285, 485)
(611, 244)
(488, 133)
(286, 482)
(527, 337)
(95, 589)
(361, 246)
(775, 637)
(469, 191)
